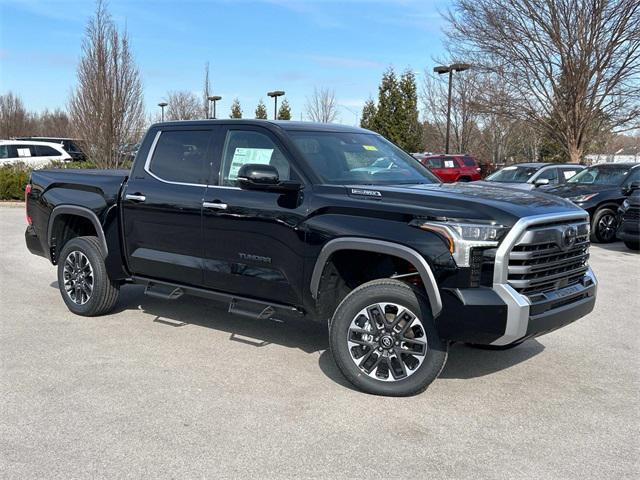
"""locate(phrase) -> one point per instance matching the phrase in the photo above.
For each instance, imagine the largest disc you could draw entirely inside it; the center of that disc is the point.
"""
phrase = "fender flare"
(380, 246)
(80, 212)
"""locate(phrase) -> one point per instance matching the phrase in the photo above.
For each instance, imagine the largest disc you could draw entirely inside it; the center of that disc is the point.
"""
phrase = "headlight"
(625, 204)
(582, 198)
(462, 236)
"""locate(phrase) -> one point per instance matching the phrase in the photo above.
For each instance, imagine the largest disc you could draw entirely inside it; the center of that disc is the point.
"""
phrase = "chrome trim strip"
(517, 304)
(215, 205)
(147, 168)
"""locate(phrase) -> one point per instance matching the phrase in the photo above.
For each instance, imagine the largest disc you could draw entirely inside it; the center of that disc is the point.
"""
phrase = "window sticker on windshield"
(448, 164)
(242, 156)
(568, 174)
(371, 148)
(24, 152)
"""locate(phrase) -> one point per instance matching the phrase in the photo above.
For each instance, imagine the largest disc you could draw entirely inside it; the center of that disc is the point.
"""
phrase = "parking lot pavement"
(183, 390)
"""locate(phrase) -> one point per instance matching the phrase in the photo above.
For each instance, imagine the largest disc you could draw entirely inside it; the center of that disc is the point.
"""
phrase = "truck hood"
(569, 190)
(465, 201)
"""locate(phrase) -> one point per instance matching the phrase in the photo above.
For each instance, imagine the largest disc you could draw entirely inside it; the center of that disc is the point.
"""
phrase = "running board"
(237, 305)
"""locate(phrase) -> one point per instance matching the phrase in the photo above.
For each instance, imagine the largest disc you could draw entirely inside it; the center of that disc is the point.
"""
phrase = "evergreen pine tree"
(368, 115)
(261, 110)
(388, 119)
(411, 132)
(284, 112)
(236, 110)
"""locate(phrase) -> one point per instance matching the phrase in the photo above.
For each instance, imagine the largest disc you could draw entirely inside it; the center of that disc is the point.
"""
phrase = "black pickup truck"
(286, 220)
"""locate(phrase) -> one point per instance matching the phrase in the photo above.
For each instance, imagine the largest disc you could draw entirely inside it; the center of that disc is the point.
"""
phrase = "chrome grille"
(549, 257)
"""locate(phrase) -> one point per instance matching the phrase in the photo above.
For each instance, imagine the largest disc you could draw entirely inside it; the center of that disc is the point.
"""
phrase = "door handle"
(135, 198)
(215, 205)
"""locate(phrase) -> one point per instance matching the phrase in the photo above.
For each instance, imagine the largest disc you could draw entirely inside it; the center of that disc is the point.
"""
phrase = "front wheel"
(632, 244)
(603, 226)
(84, 284)
(384, 341)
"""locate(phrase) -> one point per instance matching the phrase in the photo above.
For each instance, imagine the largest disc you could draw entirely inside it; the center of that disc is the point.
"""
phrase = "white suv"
(33, 154)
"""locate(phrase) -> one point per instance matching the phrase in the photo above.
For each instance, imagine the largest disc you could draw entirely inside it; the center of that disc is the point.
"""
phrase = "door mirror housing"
(256, 176)
(540, 182)
(627, 189)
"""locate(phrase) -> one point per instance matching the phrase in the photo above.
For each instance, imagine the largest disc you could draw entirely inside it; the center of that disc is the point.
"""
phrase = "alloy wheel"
(387, 342)
(607, 227)
(78, 277)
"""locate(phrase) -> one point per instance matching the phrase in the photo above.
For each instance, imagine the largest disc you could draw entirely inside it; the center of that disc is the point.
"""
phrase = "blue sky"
(252, 47)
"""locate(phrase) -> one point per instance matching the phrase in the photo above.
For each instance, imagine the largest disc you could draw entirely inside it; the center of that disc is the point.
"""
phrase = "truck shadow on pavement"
(463, 361)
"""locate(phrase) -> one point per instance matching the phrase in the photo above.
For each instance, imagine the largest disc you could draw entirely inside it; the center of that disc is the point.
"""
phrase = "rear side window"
(469, 162)
(180, 156)
(46, 151)
(567, 173)
(4, 151)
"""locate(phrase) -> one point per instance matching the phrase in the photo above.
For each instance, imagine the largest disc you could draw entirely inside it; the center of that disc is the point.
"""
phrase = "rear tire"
(84, 284)
(396, 354)
(603, 226)
(633, 245)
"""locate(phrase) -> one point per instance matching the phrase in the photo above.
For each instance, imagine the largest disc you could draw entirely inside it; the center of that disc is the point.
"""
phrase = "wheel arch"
(379, 246)
(76, 211)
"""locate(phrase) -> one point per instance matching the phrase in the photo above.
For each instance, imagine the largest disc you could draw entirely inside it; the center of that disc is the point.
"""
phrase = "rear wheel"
(603, 226)
(82, 278)
(384, 341)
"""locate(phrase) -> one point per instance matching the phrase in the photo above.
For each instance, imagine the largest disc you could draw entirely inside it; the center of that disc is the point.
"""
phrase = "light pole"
(275, 94)
(214, 99)
(162, 105)
(456, 67)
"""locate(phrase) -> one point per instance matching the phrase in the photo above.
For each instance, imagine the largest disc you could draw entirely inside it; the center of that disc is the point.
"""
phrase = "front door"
(162, 205)
(252, 244)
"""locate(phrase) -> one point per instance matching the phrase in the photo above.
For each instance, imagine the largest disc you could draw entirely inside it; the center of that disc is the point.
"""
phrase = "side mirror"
(255, 176)
(540, 182)
(627, 189)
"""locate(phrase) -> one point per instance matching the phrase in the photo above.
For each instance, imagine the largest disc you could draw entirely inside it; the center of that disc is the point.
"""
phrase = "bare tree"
(206, 92)
(570, 67)
(183, 105)
(14, 118)
(322, 106)
(464, 116)
(54, 123)
(107, 105)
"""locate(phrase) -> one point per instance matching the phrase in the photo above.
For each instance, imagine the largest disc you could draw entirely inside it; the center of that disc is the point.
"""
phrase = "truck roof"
(283, 124)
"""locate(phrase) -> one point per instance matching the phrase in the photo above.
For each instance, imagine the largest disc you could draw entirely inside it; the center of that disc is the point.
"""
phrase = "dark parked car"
(70, 145)
(600, 190)
(527, 176)
(629, 219)
(284, 221)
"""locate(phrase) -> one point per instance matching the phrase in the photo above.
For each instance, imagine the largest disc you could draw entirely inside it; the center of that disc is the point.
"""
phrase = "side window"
(180, 156)
(567, 173)
(450, 162)
(469, 162)
(434, 162)
(247, 146)
(46, 151)
(550, 174)
(4, 151)
(25, 151)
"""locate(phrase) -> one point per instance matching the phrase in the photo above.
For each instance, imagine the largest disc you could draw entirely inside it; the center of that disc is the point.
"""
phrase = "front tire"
(84, 284)
(384, 341)
(603, 226)
(633, 245)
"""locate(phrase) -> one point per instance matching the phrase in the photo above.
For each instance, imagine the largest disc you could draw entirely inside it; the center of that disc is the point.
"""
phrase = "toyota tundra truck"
(290, 220)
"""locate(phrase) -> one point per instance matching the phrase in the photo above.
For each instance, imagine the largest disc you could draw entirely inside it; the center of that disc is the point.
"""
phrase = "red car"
(453, 168)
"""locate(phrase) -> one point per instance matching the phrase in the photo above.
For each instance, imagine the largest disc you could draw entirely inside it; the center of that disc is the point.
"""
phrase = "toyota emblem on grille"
(569, 237)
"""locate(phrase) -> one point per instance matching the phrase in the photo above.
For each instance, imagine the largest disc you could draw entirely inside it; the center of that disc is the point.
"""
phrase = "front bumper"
(502, 316)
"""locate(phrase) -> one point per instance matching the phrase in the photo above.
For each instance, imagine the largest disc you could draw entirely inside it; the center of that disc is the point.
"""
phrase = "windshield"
(359, 158)
(513, 174)
(601, 175)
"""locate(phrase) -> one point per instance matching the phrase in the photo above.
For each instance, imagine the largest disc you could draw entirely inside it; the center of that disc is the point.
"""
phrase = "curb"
(11, 204)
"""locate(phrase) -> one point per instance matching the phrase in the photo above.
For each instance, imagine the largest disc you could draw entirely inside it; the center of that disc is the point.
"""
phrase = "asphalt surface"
(184, 390)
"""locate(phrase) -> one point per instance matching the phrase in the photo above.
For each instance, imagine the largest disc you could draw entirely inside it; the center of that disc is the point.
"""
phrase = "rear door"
(252, 243)
(162, 204)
